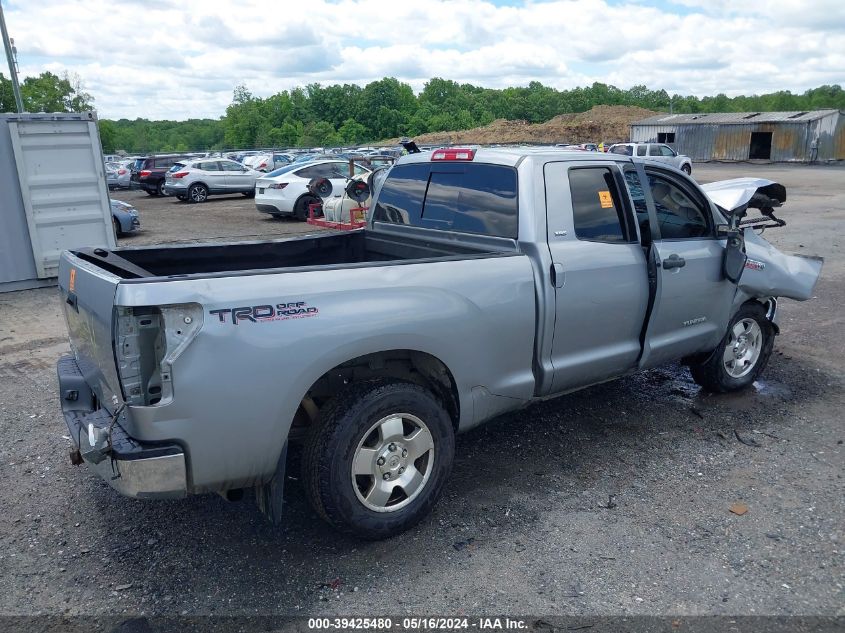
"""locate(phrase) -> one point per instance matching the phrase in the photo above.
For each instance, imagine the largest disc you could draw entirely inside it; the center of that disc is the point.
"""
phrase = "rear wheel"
(300, 209)
(197, 193)
(377, 458)
(117, 231)
(741, 355)
(160, 188)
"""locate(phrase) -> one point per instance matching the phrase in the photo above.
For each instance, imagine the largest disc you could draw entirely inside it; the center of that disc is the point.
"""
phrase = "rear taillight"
(121, 171)
(149, 340)
(277, 185)
(179, 174)
(453, 153)
(144, 173)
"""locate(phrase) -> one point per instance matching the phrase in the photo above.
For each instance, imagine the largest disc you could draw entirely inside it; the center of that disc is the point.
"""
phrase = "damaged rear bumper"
(135, 469)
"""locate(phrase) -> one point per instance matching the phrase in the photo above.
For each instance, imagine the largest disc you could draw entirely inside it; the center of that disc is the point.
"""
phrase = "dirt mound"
(602, 123)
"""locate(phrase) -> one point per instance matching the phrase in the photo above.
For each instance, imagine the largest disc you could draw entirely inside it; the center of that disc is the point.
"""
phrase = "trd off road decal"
(258, 314)
(753, 264)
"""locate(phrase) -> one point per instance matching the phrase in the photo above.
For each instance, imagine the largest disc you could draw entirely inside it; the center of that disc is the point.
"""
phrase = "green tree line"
(348, 114)
(47, 92)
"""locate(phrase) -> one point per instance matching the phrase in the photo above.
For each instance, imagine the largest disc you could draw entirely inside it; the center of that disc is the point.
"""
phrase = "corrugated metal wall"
(790, 141)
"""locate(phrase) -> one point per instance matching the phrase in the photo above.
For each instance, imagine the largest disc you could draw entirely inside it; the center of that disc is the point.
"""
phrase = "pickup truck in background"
(485, 279)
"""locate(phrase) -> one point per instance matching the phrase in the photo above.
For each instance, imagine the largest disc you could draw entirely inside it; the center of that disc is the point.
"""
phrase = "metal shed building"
(776, 136)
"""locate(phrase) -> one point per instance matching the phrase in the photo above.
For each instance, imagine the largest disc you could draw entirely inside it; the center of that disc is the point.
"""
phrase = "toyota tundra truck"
(485, 279)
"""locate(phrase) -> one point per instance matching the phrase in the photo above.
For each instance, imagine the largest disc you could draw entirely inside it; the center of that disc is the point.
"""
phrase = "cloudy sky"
(179, 59)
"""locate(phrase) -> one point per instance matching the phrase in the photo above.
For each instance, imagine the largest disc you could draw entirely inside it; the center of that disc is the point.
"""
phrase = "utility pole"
(11, 57)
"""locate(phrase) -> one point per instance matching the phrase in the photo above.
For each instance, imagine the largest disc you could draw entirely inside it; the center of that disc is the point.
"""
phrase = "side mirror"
(735, 257)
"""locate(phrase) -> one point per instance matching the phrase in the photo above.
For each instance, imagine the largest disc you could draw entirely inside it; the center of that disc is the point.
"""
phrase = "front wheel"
(741, 355)
(686, 168)
(377, 458)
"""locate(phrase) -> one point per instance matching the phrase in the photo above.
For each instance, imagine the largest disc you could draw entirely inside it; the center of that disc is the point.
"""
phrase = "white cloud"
(163, 59)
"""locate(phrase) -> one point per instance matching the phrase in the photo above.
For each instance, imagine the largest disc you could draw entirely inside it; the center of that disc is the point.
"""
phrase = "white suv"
(655, 151)
(194, 180)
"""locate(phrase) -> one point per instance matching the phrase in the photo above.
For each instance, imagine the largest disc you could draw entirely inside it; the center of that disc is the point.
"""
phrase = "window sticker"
(605, 200)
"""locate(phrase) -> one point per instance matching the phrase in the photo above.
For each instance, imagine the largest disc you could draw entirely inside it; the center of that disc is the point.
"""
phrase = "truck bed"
(326, 250)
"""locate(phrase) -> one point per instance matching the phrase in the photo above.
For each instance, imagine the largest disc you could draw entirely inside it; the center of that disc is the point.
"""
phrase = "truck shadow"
(583, 452)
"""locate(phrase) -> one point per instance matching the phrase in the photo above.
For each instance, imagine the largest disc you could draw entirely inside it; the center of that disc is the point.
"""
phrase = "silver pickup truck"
(485, 280)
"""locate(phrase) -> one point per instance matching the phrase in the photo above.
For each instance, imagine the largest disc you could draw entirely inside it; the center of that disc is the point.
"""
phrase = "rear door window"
(209, 165)
(641, 150)
(597, 208)
(468, 198)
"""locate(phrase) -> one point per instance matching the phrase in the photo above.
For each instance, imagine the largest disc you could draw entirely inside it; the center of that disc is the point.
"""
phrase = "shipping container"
(53, 194)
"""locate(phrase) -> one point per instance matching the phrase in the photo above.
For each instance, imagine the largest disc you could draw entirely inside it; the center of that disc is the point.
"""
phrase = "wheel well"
(418, 367)
(304, 195)
(197, 182)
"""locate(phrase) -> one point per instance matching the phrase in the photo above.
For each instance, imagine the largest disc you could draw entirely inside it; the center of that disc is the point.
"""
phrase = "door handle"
(558, 275)
(673, 261)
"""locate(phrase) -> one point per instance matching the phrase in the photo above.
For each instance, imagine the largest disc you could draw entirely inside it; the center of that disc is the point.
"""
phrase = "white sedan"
(285, 191)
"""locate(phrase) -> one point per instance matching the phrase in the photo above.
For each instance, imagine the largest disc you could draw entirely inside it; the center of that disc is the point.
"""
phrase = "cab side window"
(641, 150)
(679, 214)
(635, 188)
(597, 208)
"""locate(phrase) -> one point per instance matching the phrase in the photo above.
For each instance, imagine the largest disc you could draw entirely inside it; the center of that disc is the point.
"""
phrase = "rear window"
(463, 197)
(625, 150)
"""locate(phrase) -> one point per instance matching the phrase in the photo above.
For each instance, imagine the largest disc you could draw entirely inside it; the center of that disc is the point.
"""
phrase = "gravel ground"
(613, 500)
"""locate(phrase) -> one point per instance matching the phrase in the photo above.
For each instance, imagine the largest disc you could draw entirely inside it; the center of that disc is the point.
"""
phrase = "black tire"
(197, 193)
(340, 432)
(713, 372)
(300, 209)
(160, 188)
(117, 231)
(686, 168)
(249, 194)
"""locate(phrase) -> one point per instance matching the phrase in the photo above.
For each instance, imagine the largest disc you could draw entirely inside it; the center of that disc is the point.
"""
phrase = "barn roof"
(722, 118)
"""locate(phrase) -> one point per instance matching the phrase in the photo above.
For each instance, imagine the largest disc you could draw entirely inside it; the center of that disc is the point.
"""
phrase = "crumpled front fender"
(771, 273)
